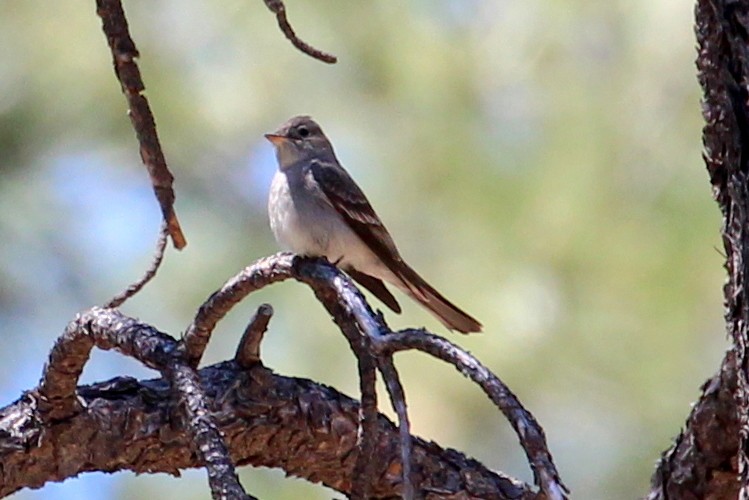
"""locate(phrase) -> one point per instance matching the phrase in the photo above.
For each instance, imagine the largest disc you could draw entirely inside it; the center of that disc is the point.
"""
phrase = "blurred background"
(538, 161)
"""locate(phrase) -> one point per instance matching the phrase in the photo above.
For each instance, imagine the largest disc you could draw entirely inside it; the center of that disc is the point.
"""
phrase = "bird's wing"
(351, 203)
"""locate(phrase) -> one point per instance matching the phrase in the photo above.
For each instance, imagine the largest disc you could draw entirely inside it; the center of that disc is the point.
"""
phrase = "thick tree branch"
(305, 428)
(709, 458)
(371, 340)
(109, 329)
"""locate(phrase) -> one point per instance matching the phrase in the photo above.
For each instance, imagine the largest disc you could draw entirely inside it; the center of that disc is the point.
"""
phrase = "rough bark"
(307, 429)
(708, 459)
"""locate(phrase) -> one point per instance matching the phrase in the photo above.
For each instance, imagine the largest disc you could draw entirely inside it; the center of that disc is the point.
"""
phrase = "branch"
(248, 351)
(136, 287)
(531, 434)
(398, 400)
(307, 429)
(347, 306)
(278, 8)
(124, 54)
(362, 327)
(57, 400)
(709, 458)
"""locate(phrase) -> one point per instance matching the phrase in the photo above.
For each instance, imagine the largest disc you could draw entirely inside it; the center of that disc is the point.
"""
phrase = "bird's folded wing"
(351, 203)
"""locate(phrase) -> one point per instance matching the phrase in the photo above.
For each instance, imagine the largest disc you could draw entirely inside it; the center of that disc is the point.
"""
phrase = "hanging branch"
(136, 287)
(124, 54)
(278, 8)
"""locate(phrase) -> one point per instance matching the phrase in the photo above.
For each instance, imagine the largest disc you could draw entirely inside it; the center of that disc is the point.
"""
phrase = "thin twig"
(531, 434)
(124, 53)
(134, 288)
(278, 8)
(248, 350)
(398, 400)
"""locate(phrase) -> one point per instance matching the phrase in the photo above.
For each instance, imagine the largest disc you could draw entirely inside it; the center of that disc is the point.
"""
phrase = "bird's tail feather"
(448, 313)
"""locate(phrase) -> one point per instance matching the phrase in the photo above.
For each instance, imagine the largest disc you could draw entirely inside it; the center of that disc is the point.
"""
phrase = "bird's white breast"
(307, 224)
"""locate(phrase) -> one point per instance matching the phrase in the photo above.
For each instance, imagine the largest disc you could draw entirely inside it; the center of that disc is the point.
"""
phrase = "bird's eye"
(302, 131)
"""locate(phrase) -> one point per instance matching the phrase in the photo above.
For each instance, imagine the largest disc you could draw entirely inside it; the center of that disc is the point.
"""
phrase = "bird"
(316, 209)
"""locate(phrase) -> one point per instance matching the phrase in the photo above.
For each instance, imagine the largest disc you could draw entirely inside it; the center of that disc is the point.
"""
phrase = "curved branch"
(57, 400)
(359, 324)
(279, 9)
(344, 302)
(531, 434)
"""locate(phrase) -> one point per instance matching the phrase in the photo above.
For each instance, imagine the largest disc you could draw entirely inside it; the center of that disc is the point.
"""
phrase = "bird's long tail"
(422, 292)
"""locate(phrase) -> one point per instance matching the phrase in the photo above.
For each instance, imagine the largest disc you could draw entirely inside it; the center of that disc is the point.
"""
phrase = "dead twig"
(124, 53)
(134, 288)
(279, 9)
(248, 350)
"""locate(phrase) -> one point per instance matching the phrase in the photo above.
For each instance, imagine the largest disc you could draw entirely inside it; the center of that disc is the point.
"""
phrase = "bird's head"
(300, 139)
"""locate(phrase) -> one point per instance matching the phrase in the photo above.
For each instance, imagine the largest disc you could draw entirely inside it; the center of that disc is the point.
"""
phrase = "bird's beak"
(276, 139)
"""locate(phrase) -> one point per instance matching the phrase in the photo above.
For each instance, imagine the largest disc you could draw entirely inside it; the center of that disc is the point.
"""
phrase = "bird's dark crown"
(301, 128)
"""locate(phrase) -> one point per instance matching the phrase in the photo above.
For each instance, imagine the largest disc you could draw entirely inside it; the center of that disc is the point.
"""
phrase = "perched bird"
(316, 209)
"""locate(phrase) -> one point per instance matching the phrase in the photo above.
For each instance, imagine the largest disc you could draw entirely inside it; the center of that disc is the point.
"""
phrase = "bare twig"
(248, 350)
(134, 288)
(398, 400)
(109, 329)
(278, 8)
(124, 53)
